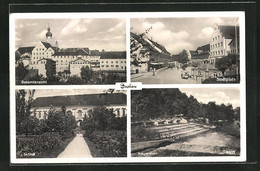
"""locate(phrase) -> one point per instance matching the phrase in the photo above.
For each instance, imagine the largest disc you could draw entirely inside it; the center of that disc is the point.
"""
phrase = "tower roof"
(48, 34)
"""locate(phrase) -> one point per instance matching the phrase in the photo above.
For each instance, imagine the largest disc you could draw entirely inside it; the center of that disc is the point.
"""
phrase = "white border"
(128, 16)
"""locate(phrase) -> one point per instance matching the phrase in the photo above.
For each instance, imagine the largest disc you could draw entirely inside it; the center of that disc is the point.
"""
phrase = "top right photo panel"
(198, 50)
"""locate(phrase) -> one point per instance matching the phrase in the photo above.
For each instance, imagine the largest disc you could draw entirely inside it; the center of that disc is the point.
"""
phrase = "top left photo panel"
(68, 51)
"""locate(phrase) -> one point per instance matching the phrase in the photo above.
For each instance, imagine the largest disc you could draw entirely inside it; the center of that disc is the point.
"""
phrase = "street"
(164, 76)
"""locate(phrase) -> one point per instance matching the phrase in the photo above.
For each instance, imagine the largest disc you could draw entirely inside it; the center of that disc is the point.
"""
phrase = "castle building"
(79, 105)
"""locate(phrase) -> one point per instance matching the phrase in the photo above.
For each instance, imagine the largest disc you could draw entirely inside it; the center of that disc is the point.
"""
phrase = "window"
(117, 66)
(213, 38)
(45, 115)
(102, 65)
(218, 44)
(124, 112)
(112, 65)
(221, 43)
(111, 62)
(107, 65)
(116, 61)
(106, 61)
(121, 61)
(118, 112)
(222, 52)
(218, 36)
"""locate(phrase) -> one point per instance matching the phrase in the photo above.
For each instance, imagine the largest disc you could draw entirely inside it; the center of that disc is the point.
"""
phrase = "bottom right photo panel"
(176, 122)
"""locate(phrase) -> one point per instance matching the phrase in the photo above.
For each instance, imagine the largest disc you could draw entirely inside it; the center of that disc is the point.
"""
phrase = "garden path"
(77, 148)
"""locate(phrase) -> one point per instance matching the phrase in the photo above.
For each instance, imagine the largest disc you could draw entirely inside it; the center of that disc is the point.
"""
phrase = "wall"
(113, 64)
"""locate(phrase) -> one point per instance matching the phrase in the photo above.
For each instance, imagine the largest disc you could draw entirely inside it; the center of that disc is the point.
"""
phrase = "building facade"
(79, 105)
(113, 61)
(221, 38)
(69, 60)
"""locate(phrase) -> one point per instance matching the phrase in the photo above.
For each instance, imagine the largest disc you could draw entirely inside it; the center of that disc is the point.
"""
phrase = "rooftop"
(204, 47)
(200, 56)
(83, 100)
(113, 55)
(229, 32)
(23, 50)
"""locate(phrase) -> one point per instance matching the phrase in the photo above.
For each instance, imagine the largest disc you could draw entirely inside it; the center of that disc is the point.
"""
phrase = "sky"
(219, 95)
(65, 92)
(177, 34)
(94, 33)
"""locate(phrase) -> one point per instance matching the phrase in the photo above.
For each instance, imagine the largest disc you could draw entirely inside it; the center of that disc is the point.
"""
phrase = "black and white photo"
(70, 51)
(202, 50)
(185, 122)
(76, 123)
(127, 87)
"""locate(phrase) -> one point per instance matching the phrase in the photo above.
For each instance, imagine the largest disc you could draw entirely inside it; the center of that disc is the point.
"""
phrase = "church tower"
(48, 34)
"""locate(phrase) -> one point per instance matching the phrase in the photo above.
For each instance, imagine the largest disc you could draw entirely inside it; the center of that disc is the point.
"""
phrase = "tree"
(223, 64)
(100, 118)
(41, 127)
(50, 67)
(63, 109)
(59, 122)
(74, 80)
(86, 74)
(183, 57)
(237, 113)
(28, 125)
(23, 108)
(20, 72)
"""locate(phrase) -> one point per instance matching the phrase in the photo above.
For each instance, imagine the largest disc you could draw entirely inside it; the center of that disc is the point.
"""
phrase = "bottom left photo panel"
(70, 123)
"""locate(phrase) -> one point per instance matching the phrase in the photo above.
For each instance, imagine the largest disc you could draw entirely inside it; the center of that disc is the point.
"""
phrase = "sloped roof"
(193, 52)
(79, 59)
(46, 44)
(161, 47)
(85, 100)
(200, 56)
(23, 50)
(204, 47)
(72, 51)
(229, 32)
(95, 53)
(141, 40)
(113, 55)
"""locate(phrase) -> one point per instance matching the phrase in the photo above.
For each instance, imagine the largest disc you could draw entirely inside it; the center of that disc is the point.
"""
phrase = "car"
(185, 76)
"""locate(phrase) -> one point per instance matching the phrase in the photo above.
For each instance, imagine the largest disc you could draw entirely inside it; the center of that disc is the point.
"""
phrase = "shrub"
(41, 127)
(139, 133)
(111, 143)
(38, 144)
